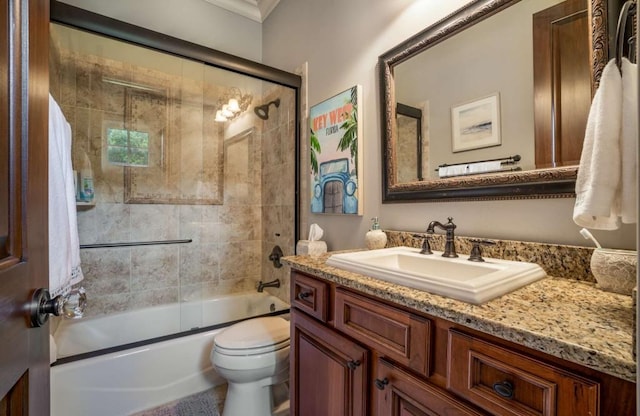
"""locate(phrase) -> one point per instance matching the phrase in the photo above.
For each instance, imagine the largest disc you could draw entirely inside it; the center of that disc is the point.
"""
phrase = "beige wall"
(341, 42)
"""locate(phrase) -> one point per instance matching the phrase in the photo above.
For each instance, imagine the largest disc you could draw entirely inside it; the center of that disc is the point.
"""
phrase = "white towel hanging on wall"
(606, 186)
(629, 143)
(64, 244)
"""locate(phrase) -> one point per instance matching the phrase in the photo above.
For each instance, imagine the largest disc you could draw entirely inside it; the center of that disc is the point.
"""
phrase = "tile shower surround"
(231, 242)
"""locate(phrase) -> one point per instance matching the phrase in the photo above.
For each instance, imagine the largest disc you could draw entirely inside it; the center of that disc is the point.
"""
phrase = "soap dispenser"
(86, 190)
(375, 237)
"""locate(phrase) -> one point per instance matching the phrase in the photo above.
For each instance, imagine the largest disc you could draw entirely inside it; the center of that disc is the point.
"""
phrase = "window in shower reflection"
(127, 148)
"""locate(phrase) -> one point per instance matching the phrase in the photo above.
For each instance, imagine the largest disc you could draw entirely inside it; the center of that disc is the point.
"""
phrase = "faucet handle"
(476, 252)
(426, 247)
(275, 256)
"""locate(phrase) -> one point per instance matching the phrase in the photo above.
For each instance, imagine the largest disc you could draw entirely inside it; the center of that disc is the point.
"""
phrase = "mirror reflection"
(409, 125)
(504, 88)
(506, 57)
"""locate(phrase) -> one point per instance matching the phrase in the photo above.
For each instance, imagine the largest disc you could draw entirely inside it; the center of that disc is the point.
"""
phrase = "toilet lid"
(254, 334)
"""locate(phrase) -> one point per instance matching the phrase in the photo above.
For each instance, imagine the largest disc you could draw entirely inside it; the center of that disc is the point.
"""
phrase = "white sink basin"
(457, 278)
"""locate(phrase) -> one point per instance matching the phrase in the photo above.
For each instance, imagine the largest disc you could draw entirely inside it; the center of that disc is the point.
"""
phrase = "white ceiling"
(257, 10)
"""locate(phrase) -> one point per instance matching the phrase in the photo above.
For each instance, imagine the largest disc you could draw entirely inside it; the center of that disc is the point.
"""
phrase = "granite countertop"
(565, 318)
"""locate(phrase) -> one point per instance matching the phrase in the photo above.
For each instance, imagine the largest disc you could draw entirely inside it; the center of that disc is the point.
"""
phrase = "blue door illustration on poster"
(335, 141)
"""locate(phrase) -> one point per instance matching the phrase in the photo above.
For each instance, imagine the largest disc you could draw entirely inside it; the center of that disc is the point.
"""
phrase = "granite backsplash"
(570, 262)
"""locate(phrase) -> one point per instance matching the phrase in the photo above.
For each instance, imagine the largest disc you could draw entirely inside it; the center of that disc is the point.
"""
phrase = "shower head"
(262, 111)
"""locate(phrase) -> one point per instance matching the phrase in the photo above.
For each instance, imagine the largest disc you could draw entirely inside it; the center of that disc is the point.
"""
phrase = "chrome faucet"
(449, 245)
(273, 283)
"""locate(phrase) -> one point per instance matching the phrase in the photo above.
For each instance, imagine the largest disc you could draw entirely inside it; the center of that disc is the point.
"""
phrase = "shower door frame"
(78, 18)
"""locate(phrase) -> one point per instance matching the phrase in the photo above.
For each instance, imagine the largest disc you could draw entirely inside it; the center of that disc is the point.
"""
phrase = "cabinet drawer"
(397, 393)
(310, 295)
(399, 335)
(508, 383)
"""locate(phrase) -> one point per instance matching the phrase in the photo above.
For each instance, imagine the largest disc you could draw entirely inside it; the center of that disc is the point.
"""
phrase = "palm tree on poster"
(315, 150)
(349, 139)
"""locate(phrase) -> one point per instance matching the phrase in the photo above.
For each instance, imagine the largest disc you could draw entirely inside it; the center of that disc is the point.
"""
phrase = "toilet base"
(236, 403)
(270, 398)
(265, 401)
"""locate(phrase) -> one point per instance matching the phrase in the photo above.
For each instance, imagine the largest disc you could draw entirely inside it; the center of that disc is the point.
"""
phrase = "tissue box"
(313, 248)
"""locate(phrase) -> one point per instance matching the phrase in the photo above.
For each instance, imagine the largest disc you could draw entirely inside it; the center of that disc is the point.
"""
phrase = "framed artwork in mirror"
(476, 124)
(336, 140)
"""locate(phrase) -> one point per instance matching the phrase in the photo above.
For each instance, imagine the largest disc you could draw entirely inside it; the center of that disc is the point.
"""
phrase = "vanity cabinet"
(330, 375)
(356, 354)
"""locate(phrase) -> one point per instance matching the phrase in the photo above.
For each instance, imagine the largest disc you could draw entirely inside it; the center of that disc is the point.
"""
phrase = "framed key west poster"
(336, 154)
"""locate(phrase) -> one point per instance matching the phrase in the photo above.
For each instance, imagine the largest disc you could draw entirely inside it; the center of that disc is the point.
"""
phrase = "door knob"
(42, 306)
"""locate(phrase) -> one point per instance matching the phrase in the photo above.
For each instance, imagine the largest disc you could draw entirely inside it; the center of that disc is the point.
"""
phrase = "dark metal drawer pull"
(303, 295)
(504, 389)
(381, 384)
(353, 364)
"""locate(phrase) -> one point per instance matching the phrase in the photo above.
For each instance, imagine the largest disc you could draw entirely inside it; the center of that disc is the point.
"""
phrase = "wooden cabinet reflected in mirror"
(562, 82)
(495, 48)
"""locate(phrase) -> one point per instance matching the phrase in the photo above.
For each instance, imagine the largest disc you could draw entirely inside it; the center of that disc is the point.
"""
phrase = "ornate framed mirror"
(498, 96)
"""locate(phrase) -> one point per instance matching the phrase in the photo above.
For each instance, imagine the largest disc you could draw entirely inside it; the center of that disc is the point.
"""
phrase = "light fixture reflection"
(220, 117)
(226, 112)
(232, 103)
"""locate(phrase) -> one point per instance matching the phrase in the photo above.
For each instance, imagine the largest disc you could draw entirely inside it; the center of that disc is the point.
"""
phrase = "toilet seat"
(253, 337)
(250, 351)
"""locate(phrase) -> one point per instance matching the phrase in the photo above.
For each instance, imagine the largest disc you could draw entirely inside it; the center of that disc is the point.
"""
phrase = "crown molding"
(256, 10)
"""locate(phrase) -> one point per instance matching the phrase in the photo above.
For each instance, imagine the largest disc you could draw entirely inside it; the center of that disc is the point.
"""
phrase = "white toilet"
(253, 356)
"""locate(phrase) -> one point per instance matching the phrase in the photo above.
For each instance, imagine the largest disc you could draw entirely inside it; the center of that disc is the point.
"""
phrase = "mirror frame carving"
(540, 183)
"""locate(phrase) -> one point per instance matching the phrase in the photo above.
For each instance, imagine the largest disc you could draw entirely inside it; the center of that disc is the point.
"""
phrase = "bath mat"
(206, 403)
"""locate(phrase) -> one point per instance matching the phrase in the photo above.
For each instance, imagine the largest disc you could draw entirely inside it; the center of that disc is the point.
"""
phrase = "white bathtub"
(135, 379)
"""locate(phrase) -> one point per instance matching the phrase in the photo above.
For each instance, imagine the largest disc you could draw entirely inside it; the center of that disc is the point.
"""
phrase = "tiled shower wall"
(278, 185)
(231, 242)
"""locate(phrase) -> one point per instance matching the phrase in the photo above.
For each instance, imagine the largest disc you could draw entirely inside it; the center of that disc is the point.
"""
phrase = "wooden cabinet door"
(562, 82)
(329, 372)
(24, 88)
(398, 393)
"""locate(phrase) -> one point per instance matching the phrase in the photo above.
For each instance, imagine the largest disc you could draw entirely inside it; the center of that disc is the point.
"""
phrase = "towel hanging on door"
(64, 244)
